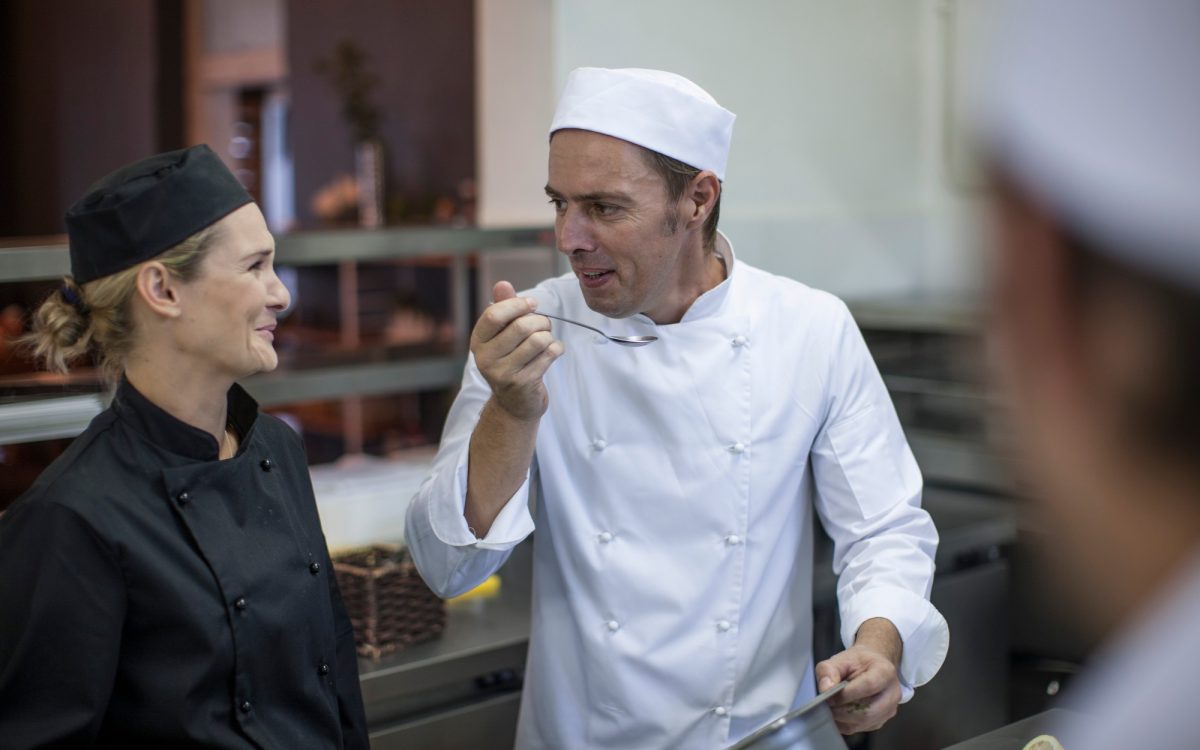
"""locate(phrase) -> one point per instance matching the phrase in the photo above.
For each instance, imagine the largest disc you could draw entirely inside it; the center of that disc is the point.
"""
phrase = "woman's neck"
(196, 400)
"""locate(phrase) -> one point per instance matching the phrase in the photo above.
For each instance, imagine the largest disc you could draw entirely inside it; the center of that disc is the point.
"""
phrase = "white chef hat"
(1094, 107)
(657, 110)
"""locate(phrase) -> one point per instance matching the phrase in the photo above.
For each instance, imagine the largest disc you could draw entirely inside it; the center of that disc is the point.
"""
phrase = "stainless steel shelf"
(356, 379)
(315, 248)
(934, 313)
(34, 262)
(48, 418)
(945, 459)
(67, 416)
(52, 260)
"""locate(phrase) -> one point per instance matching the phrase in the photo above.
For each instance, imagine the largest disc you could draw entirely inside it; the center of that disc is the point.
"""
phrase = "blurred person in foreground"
(673, 560)
(165, 582)
(1092, 120)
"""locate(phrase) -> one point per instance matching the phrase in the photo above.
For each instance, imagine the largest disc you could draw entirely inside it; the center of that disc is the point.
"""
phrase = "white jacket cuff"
(923, 630)
(511, 526)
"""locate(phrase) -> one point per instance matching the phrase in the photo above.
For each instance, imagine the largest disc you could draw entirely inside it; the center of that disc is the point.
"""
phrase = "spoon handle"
(573, 322)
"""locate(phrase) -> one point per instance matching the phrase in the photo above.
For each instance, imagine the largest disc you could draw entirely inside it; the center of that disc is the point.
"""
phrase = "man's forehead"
(586, 162)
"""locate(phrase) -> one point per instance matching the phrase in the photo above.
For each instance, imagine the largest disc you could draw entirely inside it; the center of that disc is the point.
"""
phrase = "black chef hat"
(144, 208)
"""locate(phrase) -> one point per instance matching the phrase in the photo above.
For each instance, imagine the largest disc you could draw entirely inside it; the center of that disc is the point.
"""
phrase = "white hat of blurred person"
(1093, 106)
(657, 110)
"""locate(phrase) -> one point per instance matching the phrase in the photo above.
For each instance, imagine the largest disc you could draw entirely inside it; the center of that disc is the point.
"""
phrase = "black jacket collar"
(178, 437)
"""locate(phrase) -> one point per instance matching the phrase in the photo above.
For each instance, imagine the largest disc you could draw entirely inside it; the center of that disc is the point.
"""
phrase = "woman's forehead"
(245, 229)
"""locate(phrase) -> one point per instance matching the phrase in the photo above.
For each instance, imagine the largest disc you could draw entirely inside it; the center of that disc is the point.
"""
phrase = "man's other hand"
(871, 665)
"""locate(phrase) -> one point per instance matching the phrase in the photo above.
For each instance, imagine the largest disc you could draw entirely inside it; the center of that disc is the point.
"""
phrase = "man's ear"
(701, 195)
(159, 289)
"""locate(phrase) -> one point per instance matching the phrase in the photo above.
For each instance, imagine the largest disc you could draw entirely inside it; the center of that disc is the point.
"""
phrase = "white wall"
(836, 172)
(514, 100)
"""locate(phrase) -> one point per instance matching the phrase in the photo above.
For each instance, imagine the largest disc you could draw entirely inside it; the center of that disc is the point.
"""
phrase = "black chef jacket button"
(314, 568)
(183, 497)
(240, 602)
(323, 670)
(266, 464)
(246, 707)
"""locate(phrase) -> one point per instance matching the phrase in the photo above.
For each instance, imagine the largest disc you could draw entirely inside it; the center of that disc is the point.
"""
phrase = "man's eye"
(559, 205)
(603, 209)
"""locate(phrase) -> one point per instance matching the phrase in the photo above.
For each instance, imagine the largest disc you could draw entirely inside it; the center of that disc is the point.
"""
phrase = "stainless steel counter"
(1016, 735)
(461, 689)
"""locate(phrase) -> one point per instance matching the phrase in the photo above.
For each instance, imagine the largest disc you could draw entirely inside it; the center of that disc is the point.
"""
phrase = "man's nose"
(574, 233)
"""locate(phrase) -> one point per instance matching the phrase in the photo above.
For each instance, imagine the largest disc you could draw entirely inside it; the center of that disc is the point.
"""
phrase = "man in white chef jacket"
(1092, 121)
(673, 561)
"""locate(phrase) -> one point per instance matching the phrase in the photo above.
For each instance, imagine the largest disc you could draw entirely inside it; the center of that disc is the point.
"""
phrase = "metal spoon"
(626, 340)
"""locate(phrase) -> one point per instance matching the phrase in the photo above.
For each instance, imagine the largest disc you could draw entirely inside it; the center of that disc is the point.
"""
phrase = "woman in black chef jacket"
(165, 582)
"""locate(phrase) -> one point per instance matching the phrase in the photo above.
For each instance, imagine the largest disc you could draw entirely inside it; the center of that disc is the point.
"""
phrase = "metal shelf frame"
(50, 260)
(67, 416)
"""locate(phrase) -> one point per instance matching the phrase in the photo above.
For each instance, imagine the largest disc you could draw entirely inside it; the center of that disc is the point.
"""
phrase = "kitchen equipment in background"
(1014, 643)
(970, 694)
(362, 499)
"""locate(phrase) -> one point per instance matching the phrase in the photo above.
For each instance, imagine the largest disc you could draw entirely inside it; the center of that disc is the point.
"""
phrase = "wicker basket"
(389, 605)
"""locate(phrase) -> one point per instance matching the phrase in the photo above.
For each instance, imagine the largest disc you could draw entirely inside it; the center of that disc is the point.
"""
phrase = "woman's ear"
(702, 196)
(158, 289)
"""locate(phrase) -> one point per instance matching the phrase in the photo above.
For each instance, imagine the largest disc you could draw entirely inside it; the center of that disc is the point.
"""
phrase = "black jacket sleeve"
(62, 608)
(349, 692)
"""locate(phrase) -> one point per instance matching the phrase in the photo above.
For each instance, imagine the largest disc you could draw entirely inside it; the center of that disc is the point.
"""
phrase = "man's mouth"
(594, 278)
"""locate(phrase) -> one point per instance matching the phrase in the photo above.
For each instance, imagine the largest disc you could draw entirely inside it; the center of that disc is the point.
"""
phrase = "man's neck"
(710, 270)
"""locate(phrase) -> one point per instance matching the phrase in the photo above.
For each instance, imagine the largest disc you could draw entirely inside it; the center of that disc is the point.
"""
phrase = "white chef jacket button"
(739, 340)
(720, 711)
(733, 540)
(724, 625)
(613, 626)
(599, 444)
(737, 448)
(605, 537)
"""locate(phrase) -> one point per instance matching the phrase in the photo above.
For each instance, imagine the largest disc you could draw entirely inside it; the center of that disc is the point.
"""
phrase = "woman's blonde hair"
(97, 317)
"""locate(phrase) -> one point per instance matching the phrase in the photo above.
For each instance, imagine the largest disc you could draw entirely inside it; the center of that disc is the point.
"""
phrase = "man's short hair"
(677, 176)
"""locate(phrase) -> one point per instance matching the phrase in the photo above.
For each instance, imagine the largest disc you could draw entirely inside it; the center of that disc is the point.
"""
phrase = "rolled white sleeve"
(448, 554)
(869, 500)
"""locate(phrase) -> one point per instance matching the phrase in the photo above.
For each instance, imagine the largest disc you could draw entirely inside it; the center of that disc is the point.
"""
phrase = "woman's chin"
(268, 364)
(265, 363)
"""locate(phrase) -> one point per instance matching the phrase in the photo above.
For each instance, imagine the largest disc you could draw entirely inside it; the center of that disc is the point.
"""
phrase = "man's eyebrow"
(596, 197)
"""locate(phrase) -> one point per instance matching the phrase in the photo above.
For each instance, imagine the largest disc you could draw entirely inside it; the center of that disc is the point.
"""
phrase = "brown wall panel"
(423, 53)
(80, 102)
